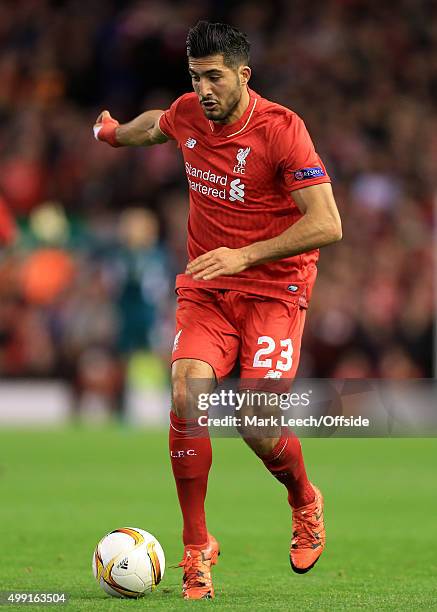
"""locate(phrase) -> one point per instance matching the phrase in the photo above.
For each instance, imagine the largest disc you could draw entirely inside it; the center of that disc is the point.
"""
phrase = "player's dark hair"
(207, 38)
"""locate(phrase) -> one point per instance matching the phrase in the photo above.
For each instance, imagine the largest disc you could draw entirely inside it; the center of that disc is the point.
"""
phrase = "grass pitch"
(61, 491)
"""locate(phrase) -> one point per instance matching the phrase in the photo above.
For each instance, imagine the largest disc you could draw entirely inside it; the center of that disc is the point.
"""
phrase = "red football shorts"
(219, 326)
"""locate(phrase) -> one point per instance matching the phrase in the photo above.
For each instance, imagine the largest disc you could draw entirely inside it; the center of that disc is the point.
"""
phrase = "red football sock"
(286, 464)
(191, 457)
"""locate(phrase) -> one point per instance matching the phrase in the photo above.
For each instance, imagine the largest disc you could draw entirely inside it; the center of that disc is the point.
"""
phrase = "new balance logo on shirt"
(191, 143)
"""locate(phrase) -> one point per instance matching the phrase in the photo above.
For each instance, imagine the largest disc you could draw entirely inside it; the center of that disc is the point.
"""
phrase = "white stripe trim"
(188, 431)
(248, 119)
(211, 123)
(159, 124)
(281, 451)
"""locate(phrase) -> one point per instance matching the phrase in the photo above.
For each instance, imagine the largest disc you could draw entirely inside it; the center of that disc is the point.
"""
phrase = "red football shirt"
(241, 178)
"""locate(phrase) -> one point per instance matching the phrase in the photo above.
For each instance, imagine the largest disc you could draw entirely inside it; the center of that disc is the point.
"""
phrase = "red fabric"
(107, 131)
(241, 178)
(23, 182)
(8, 228)
(191, 457)
(286, 464)
(216, 326)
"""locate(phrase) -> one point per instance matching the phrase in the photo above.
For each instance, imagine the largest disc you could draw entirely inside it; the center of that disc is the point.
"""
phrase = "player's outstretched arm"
(141, 131)
(319, 225)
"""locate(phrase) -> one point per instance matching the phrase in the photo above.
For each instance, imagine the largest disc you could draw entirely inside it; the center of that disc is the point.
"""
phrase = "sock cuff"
(188, 427)
(282, 445)
(197, 546)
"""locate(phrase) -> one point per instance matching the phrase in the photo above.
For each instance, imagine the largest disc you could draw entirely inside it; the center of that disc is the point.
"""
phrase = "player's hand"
(222, 261)
(104, 129)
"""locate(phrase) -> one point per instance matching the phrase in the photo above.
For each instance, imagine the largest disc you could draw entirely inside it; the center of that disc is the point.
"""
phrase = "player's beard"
(224, 110)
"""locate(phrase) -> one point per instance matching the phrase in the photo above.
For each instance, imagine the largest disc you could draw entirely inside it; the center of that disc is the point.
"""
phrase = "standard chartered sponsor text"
(217, 181)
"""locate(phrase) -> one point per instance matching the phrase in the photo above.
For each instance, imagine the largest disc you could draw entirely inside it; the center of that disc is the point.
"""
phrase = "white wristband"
(96, 130)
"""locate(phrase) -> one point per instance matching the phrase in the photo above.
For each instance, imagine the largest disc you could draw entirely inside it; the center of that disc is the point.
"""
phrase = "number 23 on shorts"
(267, 355)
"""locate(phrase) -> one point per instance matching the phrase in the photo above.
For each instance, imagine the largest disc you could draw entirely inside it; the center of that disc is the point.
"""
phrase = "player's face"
(218, 86)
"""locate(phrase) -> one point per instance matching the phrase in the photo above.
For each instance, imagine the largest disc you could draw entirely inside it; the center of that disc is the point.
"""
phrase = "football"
(128, 562)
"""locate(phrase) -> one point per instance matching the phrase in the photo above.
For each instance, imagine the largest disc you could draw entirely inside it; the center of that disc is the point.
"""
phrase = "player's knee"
(179, 402)
(186, 389)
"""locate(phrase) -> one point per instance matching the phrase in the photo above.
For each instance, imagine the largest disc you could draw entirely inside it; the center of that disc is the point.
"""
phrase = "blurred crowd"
(87, 267)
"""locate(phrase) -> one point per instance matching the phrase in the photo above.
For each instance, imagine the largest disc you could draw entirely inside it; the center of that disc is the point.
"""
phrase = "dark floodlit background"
(91, 237)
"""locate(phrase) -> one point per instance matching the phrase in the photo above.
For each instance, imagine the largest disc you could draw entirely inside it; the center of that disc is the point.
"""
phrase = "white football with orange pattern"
(128, 562)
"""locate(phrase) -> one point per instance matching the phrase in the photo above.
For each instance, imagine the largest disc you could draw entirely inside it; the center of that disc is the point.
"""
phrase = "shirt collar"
(228, 130)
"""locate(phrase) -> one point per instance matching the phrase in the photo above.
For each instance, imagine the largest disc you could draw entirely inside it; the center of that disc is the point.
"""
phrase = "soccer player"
(261, 205)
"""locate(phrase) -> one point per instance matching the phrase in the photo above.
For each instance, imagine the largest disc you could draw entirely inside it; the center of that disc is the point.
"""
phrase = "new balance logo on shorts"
(273, 374)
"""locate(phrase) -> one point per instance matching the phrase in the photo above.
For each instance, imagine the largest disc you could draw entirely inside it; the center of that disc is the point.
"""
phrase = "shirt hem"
(289, 291)
(303, 184)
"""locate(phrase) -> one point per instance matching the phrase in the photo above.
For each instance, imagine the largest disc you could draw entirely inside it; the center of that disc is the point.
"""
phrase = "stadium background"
(90, 241)
(86, 281)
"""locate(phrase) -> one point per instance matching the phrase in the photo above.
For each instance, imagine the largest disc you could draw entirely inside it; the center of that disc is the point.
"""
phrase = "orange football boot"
(197, 581)
(308, 535)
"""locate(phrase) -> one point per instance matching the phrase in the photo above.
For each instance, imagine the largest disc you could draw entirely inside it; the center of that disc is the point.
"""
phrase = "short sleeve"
(298, 161)
(168, 120)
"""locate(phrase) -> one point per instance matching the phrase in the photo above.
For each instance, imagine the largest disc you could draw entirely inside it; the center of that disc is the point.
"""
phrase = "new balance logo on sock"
(183, 453)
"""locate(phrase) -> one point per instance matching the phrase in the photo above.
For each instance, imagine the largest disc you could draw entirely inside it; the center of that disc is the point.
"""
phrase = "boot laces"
(304, 529)
(196, 570)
